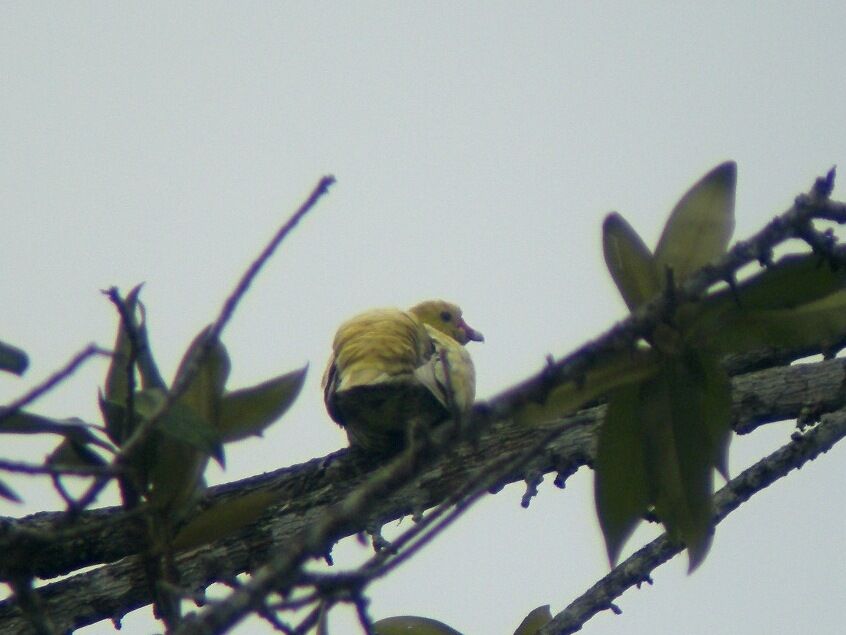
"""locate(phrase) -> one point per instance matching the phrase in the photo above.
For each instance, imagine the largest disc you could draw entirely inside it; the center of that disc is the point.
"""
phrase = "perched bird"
(394, 371)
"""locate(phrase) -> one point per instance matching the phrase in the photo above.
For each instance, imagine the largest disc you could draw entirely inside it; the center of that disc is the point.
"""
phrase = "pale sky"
(477, 150)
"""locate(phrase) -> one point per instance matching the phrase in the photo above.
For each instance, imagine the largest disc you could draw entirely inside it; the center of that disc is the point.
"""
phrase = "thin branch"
(57, 470)
(140, 434)
(52, 381)
(425, 530)
(309, 622)
(228, 310)
(232, 301)
(280, 573)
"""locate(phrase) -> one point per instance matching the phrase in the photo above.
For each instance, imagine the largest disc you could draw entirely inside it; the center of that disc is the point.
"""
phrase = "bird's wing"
(449, 373)
(382, 346)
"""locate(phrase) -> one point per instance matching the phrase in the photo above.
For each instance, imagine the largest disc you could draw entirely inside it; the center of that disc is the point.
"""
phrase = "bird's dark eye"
(446, 316)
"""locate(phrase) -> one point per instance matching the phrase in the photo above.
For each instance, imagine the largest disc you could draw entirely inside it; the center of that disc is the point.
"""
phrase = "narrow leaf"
(617, 369)
(249, 411)
(70, 453)
(117, 377)
(13, 359)
(620, 482)
(117, 385)
(533, 622)
(629, 261)
(700, 226)
(716, 406)
(815, 326)
(791, 282)
(115, 417)
(182, 423)
(223, 519)
(179, 453)
(680, 457)
(9, 494)
(206, 366)
(412, 625)
(23, 422)
(176, 473)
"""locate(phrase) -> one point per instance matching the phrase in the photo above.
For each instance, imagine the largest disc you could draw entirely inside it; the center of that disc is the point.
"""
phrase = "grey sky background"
(477, 149)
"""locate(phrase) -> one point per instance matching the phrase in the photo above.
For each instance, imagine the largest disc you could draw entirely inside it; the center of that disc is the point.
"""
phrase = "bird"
(393, 372)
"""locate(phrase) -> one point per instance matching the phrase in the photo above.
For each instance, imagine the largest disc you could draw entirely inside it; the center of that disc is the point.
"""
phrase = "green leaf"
(412, 625)
(206, 365)
(117, 376)
(248, 411)
(616, 369)
(629, 261)
(679, 457)
(190, 424)
(146, 403)
(223, 519)
(70, 453)
(815, 326)
(534, 621)
(176, 455)
(13, 359)
(8, 493)
(791, 282)
(114, 416)
(715, 404)
(117, 384)
(182, 423)
(700, 226)
(23, 422)
(621, 487)
(176, 474)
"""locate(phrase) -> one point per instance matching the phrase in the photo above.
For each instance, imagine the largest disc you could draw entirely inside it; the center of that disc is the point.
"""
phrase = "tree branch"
(307, 491)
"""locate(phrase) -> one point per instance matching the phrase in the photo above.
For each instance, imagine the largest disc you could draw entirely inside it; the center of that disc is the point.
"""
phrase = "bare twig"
(228, 310)
(59, 376)
(59, 470)
(143, 430)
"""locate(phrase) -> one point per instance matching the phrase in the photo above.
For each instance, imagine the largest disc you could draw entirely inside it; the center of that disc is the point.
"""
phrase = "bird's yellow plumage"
(391, 370)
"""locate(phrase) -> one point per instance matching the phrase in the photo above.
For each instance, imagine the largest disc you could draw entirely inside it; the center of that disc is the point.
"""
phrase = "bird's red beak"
(470, 333)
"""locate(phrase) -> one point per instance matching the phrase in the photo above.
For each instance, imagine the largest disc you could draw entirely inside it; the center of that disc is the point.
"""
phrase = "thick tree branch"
(108, 534)
(307, 491)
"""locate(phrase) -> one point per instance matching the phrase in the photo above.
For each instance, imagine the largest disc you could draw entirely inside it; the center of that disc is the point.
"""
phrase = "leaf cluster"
(665, 433)
(156, 439)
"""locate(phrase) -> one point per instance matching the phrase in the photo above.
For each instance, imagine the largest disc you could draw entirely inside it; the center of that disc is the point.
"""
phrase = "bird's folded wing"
(380, 346)
(449, 373)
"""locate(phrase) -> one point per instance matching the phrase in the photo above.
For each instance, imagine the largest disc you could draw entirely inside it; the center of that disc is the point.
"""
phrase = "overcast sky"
(477, 150)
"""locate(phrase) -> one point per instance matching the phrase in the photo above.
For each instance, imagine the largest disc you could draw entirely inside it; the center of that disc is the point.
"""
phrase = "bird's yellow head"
(446, 317)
